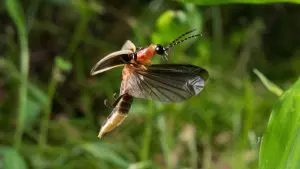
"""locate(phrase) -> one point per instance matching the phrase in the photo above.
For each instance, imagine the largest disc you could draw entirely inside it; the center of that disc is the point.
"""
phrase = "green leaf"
(168, 24)
(215, 2)
(62, 64)
(176, 22)
(12, 159)
(37, 94)
(165, 20)
(268, 84)
(280, 148)
(60, 2)
(16, 12)
(32, 112)
(141, 165)
(37, 98)
(102, 152)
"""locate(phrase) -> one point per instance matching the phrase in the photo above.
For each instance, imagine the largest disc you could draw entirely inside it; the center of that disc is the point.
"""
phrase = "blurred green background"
(52, 109)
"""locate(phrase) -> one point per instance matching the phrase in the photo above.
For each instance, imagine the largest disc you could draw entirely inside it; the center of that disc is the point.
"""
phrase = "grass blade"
(268, 84)
(59, 67)
(214, 2)
(280, 148)
(12, 159)
(103, 153)
(16, 13)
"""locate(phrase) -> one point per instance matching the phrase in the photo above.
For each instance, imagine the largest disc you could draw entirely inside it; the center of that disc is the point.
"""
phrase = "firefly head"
(159, 49)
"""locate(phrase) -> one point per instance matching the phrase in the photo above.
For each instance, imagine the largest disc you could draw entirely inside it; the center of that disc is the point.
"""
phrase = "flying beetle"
(142, 79)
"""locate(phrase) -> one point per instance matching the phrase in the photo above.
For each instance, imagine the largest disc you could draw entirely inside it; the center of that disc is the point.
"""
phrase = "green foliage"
(15, 10)
(171, 22)
(280, 147)
(268, 84)
(103, 152)
(16, 13)
(12, 159)
(37, 97)
(62, 64)
(216, 2)
(60, 115)
(59, 68)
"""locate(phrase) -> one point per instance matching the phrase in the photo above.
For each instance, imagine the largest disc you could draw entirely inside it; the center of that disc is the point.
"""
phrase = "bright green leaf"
(195, 17)
(280, 148)
(141, 165)
(16, 12)
(60, 2)
(12, 159)
(216, 2)
(102, 152)
(37, 94)
(37, 98)
(176, 22)
(268, 84)
(63, 64)
(32, 112)
(165, 20)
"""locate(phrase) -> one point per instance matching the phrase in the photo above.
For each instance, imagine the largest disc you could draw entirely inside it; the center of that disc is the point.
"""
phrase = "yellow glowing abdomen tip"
(112, 122)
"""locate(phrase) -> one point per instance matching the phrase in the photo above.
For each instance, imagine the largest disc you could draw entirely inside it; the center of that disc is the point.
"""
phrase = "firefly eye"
(160, 49)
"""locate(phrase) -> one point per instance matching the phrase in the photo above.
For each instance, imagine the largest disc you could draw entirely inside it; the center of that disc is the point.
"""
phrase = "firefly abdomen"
(118, 114)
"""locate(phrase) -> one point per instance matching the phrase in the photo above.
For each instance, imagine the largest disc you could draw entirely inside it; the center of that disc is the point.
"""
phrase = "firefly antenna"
(179, 37)
(178, 41)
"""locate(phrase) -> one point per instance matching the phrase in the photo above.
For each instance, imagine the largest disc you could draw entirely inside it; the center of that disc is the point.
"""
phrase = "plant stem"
(80, 75)
(147, 134)
(84, 96)
(79, 31)
(217, 32)
(23, 87)
(47, 111)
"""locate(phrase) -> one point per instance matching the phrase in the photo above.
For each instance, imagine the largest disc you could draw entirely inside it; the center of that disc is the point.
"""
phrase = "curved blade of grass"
(141, 165)
(37, 98)
(37, 94)
(16, 13)
(59, 67)
(280, 148)
(268, 84)
(12, 159)
(31, 12)
(218, 2)
(102, 152)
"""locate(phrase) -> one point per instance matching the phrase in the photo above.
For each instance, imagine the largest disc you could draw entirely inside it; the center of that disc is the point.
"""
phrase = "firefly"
(142, 79)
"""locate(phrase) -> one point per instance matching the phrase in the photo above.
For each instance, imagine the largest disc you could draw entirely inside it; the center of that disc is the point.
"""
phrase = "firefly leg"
(107, 104)
(115, 96)
(164, 58)
(117, 100)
